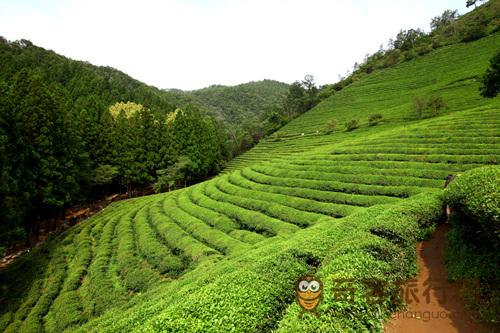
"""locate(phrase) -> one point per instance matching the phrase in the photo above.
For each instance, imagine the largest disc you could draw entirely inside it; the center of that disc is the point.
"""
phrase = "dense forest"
(71, 132)
(253, 110)
(245, 110)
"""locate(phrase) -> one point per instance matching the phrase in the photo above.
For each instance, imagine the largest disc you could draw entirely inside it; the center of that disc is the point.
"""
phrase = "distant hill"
(242, 109)
(89, 86)
(241, 103)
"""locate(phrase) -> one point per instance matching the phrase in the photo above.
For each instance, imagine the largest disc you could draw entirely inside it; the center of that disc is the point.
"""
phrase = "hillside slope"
(243, 109)
(451, 72)
(241, 103)
(90, 87)
(223, 255)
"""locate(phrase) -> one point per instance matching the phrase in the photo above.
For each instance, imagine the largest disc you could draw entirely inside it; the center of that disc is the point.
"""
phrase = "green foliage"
(156, 253)
(168, 178)
(71, 132)
(491, 79)
(89, 87)
(374, 244)
(408, 39)
(474, 261)
(476, 193)
(214, 238)
(176, 238)
(331, 126)
(245, 112)
(430, 106)
(195, 137)
(352, 124)
(98, 291)
(104, 174)
(447, 29)
(474, 31)
(241, 103)
(375, 119)
(129, 109)
(435, 104)
(43, 161)
(446, 19)
(223, 255)
(244, 211)
(135, 277)
(419, 105)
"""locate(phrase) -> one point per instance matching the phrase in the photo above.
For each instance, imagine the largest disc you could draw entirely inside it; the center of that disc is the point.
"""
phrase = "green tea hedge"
(477, 193)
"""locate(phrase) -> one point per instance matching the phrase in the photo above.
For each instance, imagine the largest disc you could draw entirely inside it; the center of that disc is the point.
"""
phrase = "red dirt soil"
(434, 303)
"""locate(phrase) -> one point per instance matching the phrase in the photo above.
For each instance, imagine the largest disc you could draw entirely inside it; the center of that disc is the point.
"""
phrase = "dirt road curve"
(434, 303)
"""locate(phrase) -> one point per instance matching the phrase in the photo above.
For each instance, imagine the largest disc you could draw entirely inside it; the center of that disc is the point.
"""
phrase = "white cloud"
(194, 43)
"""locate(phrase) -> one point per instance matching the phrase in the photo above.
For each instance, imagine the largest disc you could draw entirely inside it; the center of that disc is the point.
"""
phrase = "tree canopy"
(71, 132)
(491, 79)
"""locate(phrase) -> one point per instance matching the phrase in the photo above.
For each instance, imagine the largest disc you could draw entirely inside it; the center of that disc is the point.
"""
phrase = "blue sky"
(190, 44)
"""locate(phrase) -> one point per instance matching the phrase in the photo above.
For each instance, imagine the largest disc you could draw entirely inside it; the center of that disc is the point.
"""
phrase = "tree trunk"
(27, 230)
(36, 227)
(54, 220)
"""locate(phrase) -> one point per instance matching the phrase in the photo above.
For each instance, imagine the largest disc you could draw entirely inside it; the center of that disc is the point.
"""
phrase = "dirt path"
(434, 302)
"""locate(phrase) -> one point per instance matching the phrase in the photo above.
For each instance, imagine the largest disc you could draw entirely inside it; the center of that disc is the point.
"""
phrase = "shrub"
(285, 205)
(177, 238)
(410, 54)
(331, 126)
(476, 193)
(475, 29)
(260, 292)
(424, 49)
(157, 254)
(419, 105)
(352, 125)
(98, 292)
(216, 220)
(375, 119)
(53, 283)
(248, 219)
(392, 57)
(199, 230)
(475, 262)
(349, 188)
(435, 104)
(473, 243)
(431, 105)
(277, 185)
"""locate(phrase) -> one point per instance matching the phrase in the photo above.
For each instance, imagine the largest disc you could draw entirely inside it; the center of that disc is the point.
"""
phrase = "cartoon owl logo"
(309, 291)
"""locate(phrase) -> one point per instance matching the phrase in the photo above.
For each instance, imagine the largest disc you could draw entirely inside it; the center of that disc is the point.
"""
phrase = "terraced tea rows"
(223, 255)
(389, 92)
(136, 247)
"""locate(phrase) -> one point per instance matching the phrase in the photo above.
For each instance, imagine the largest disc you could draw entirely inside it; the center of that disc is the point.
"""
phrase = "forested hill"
(95, 88)
(244, 109)
(90, 87)
(72, 132)
(243, 103)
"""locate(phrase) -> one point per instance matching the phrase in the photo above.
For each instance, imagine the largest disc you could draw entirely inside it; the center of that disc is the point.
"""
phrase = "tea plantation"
(223, 255)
